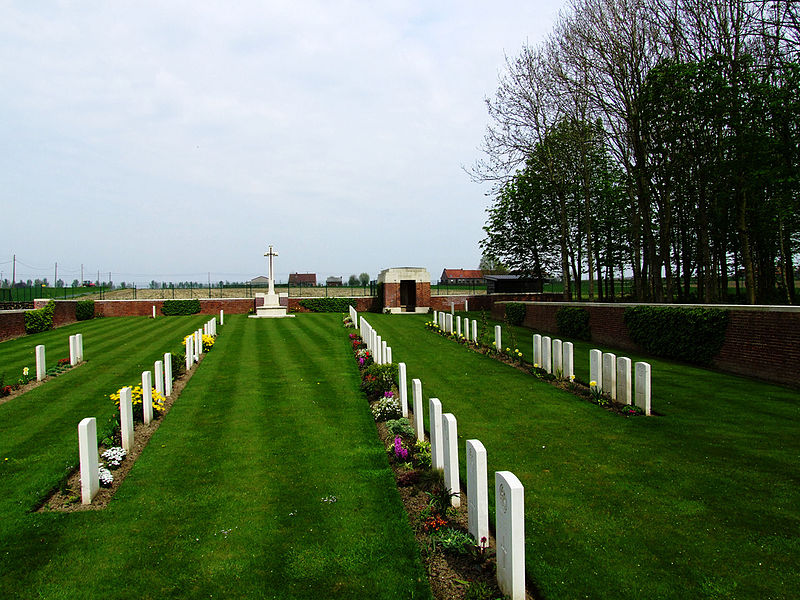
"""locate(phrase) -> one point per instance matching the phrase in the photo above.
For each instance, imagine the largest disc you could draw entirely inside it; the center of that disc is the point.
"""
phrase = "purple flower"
(361, 362)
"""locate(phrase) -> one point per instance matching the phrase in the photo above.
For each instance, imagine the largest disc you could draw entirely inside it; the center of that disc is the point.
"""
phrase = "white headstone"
(643, 386)
(596, 368)
(73, 350)
(537, 349)
(558, 358)
(158, 368)
(154, 311)
(87, 449)
(402, 384)
(450, 456)
(221, 317)
(510, 531)
(416, 396)
(79, 346)
(498, 338)
(384, 353)
(624, 380)
(568, 360)
(198, 344)
(547, 357)
(436, 317)
(435, 422)
(189, 351)
(41, 367)
(450, 328)
(147, 396)
(466, 305)
(378, 350)
(466, 328)
(126, 418)
(458, 325)
(474, 330)
(167, 374)
(477, 492)
(452, 308)
(610, 374)
(388, 356)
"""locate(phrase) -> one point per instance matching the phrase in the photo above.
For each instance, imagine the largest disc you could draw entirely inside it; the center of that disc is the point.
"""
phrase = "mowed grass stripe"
(227, 499)
(695, 499)
(39, 427)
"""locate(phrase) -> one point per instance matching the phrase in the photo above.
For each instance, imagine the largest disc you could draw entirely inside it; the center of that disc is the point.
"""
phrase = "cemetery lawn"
(700, 502)
(266, 479)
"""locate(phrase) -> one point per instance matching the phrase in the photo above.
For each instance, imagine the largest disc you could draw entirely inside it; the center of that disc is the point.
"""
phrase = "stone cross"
(269, 255)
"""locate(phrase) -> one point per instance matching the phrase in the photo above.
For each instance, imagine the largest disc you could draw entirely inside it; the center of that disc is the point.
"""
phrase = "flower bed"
(457, 567)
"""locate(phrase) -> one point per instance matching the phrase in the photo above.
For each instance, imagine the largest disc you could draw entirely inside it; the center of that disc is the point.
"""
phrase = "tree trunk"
(744, 246)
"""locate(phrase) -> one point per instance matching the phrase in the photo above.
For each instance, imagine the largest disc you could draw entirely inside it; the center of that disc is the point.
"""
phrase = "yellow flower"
(25, 371)
(592, 383)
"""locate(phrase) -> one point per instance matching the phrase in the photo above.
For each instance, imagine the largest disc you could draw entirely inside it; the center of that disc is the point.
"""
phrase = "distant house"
(260, 280)
(303, 279)
(333, 282)
(512, 284)
(461, 276)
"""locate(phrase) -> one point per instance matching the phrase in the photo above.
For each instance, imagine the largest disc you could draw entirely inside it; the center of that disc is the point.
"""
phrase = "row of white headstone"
(379, 350)
(87, 428)
(75, 355)
(554, 356)
(509, 491)
(455, 324)
(612, 376)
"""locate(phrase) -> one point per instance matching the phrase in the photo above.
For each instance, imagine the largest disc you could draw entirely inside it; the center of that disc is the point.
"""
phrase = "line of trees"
(654, 137)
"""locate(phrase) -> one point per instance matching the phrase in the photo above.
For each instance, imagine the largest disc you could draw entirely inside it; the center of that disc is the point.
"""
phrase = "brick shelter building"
(405, 290)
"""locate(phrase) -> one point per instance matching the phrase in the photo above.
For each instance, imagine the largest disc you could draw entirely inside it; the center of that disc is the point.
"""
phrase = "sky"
(173, 140)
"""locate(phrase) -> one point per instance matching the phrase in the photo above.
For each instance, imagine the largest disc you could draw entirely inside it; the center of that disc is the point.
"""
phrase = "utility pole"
(55, 275)
(14, 271)
(81, 273)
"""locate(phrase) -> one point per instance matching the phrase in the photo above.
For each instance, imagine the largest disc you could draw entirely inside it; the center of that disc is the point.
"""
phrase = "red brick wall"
(760, 342)
(423, 293)
(391, 295)
(12, 324)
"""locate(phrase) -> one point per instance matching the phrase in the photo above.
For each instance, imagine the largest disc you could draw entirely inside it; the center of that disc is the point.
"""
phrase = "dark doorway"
(408, 295)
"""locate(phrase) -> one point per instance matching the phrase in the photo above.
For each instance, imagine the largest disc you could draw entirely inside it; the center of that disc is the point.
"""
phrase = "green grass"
(226, 500)
(700, 502)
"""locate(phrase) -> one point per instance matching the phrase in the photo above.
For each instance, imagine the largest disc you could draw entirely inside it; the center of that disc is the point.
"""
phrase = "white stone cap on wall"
(744, 307)
(398, 274)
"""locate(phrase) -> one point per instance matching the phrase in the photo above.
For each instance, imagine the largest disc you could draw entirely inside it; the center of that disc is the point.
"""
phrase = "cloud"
(338, 128)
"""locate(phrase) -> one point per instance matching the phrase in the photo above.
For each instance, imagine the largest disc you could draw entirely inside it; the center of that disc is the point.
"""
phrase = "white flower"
(25, 371)
(106, 478)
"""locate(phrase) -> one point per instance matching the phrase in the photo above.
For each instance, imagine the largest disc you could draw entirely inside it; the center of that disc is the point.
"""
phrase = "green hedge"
(40, 319)
(84, 310)
(693, 335)
(515, 313)
(181, 307)
(327, 304)
(573, 321)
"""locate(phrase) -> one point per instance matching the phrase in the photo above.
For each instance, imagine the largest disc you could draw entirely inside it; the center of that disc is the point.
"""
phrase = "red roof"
(463, 274)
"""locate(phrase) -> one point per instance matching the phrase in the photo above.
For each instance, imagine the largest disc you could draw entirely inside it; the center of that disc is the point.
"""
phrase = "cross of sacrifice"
(269, 255)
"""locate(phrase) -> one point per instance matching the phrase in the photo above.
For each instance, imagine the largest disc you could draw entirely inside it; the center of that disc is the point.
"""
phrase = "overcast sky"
(166, 139)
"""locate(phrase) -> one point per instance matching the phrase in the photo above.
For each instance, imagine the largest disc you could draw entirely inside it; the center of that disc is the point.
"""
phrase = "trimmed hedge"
(327, 304)
(84, 310)
(693, 335)
(515, 313)
(573, 321)
(40, 319)
(181, 307)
